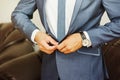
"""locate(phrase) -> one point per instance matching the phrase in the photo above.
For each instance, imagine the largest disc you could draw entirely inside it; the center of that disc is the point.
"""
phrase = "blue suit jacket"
(85, 63)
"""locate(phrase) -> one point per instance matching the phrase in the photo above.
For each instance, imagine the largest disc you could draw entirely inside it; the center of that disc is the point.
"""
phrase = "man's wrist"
(86, 42)
(33, 35)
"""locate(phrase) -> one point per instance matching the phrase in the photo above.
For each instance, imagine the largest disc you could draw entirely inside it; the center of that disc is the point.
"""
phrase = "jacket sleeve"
(110, 30)
(22, 16)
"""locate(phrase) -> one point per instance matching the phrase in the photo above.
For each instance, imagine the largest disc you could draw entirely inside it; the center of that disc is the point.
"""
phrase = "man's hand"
(46, 43)
(70, 44)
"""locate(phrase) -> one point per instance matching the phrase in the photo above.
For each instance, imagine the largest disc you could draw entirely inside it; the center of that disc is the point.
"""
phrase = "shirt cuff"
(33, 35)
(87, 36)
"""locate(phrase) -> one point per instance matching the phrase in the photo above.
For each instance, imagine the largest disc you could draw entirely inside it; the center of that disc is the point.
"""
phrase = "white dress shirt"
(51, 10)
(52, 14)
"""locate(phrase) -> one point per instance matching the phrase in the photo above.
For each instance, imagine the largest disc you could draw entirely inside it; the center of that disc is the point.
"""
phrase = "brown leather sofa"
(12, 43)
(27, 67)
(18, 60)
(112, 58)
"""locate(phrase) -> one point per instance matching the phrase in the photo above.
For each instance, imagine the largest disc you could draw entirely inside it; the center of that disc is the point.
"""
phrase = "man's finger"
(52, 41)
(61, 46)
(46, 51)
(47, 46)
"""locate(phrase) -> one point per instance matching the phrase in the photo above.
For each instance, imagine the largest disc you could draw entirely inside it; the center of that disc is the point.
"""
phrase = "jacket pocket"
(90, 51)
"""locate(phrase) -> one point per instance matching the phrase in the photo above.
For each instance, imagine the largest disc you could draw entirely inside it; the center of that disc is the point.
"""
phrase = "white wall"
(7, 6)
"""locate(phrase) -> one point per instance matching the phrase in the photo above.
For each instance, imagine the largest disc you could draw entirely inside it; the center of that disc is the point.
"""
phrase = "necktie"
(61, 20)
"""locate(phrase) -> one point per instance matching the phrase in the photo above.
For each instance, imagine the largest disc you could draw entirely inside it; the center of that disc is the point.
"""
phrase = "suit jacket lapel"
(44, 17)
(76, 9)
(75, 12)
